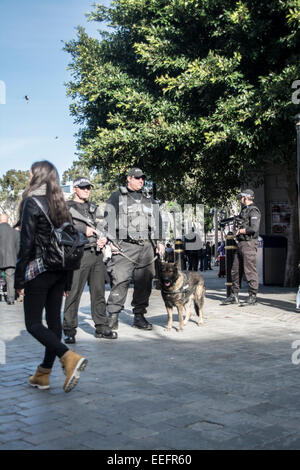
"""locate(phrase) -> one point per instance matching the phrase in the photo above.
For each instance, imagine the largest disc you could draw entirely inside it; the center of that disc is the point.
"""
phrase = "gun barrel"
(227, 221)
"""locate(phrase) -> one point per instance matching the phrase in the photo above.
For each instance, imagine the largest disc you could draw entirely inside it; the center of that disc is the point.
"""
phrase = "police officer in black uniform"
(245, 254)
(92, 269)
(132, 213)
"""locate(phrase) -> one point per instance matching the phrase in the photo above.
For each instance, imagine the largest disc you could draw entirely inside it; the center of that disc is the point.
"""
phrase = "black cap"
(136, 172)
(247, 193)
(81, 182)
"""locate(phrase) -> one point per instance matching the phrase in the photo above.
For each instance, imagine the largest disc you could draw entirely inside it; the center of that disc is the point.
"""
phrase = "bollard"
(230, 247)
(179, 254)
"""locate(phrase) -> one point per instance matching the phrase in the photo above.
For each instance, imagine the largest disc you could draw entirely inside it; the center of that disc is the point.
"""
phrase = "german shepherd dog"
(179, 289)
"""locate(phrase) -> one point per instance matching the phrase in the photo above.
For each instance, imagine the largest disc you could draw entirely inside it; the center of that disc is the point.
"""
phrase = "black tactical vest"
(136, 215)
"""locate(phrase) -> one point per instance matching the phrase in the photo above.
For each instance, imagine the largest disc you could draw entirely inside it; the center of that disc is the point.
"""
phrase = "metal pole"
(216, 233)
(297, 121)
(179, 254)
(230, 248)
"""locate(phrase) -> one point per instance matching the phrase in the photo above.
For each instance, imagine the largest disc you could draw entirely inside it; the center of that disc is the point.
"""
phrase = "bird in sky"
(26, 98)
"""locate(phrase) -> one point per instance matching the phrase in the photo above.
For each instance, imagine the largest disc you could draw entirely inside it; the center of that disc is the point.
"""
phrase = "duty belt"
(140, 241)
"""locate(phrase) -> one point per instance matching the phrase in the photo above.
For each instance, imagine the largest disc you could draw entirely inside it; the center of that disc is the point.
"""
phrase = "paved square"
(230, 384)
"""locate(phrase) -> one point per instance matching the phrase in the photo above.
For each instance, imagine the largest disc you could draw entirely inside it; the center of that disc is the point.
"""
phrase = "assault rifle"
(98, 233)
(101, 234)
(236, 221)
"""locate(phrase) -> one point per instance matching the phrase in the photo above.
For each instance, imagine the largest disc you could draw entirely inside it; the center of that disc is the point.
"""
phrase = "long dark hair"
(45, 173)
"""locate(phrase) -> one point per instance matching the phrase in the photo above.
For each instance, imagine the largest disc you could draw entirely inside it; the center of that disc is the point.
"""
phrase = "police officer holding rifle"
(247, 232)
(132, 214)
(92, 269)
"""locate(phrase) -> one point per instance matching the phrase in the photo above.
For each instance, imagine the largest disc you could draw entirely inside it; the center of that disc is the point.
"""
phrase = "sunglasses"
(88, 187)
(139, 177)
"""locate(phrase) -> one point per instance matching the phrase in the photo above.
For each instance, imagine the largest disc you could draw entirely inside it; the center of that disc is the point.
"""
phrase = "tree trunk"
(291, 268)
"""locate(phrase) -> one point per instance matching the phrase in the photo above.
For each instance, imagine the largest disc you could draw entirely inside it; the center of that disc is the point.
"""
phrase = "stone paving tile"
(283, 443)
(11, 435)
(186, 439)
(260, 438)
(94, 441)
(42, 426)
(7, 410)
(45, 436)
(16, 444)
(10, 426)
(7, 418)
(76, 441)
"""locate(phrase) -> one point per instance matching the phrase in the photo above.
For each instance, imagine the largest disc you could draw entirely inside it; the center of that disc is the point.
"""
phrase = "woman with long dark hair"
(46, 289)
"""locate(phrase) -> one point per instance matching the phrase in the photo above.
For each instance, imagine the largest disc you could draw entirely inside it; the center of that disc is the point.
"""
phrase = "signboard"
(281, 217)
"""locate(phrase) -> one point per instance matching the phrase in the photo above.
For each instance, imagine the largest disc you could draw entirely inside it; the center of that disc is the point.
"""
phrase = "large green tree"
(197, 92)
(12, 185)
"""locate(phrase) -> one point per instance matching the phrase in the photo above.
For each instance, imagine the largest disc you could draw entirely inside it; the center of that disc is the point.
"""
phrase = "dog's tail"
(199, 300)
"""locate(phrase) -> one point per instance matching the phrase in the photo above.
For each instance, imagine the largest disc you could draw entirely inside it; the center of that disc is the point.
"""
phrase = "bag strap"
(43, 210)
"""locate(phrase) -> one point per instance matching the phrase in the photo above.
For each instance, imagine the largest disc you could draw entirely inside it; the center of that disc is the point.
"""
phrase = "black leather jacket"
(35, 233)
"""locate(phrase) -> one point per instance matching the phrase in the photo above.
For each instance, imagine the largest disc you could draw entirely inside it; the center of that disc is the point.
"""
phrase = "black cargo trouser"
(245, 261)
(121, 271)
(91, 271)
(193, 260)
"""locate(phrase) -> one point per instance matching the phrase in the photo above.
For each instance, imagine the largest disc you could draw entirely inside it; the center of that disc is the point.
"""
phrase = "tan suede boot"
(41, 378)
(72, 364)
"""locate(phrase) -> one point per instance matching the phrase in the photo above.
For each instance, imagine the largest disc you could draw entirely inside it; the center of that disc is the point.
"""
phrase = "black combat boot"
(141, 322)
(251, 300)
(232, 299)
(113, 321)
(70, 339)
(105, 332)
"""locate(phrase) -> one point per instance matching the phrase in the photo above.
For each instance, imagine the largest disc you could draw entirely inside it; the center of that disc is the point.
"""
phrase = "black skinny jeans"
(46, 291)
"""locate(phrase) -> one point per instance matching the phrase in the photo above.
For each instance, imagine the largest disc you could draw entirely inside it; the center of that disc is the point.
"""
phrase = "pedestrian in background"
(169, 253)
(208, 256)
(45, 290)
(9, 247)
(221, 258)
(203, 260)
(192, 244)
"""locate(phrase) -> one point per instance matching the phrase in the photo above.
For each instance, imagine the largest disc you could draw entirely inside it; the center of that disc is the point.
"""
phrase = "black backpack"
(66, 246)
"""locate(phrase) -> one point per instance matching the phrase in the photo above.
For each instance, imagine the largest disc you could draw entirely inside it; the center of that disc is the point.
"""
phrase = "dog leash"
(135, 262)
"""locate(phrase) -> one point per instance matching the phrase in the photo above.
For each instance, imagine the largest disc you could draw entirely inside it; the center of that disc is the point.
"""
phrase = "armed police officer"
(133, 214)
(245, 255)
(92, 269)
